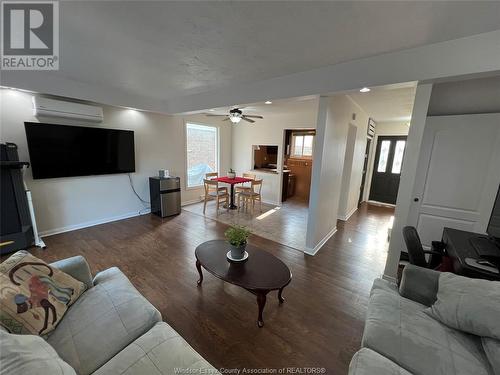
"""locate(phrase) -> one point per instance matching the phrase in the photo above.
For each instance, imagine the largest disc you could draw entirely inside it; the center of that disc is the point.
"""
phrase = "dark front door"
(365, 169)
(387, 168)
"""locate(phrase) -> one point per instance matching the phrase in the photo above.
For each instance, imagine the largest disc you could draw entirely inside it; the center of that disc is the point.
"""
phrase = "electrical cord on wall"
(137, 195)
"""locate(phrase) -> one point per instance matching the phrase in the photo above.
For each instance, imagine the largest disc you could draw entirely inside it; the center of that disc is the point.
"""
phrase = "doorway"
(387, 168)
(297, 164)
(365, 171)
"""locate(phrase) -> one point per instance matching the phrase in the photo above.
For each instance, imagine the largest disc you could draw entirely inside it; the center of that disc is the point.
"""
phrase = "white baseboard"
(192, 201)
(87, 224)
(313, 251)
(271, 202)
(382, 204)
(346, 217)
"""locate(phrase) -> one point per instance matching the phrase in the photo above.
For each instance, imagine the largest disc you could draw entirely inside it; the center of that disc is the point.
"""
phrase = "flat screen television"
(69, 151)
(494, 224)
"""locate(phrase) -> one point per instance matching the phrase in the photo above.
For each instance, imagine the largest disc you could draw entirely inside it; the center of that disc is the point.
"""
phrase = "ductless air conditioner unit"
(45, 107)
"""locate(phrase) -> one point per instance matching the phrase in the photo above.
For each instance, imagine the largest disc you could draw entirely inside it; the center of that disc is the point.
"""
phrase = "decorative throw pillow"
(469, 305)
(33, 295)
(30, 355)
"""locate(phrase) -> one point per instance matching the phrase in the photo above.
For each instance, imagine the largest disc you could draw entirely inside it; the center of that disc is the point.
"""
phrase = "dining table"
(232, 181)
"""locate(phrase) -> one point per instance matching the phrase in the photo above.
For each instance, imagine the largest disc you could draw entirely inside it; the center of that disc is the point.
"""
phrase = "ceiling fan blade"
(213, 115)
(254, 116)
(226, 119)
(247, 119)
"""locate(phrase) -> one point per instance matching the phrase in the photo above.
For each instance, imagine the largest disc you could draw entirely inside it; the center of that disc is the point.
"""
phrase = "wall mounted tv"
(68, 151)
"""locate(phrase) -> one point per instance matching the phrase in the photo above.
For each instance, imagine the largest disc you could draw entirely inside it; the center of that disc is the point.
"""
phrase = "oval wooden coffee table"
(261, 273)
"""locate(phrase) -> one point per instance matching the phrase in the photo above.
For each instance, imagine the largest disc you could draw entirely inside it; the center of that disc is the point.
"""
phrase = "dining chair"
(213, 191)
(212, 175)
(250, 196)
(245, 186)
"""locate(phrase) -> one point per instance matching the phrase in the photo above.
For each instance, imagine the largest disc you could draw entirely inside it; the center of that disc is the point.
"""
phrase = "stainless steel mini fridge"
(165, 194)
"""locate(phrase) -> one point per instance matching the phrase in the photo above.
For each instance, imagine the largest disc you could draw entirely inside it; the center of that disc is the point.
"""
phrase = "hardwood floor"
(319, 325)
(285, 224)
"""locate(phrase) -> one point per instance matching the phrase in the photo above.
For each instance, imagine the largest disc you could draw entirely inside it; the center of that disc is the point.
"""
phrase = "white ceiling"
(386, 104)
(163, 50)
(277, 107)
(392, 103)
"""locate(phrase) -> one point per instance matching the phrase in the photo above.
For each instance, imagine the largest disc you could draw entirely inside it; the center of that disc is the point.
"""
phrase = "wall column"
(407, 181)
(314, 199)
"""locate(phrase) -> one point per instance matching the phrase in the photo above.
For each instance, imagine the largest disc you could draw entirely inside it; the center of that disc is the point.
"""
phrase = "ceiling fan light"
(235, 119)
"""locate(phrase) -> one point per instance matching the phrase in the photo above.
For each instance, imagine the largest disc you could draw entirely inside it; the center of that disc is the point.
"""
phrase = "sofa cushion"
(368, 362)
(470, 305)
(384, 285)
(30, 355)
(77, 267)
(400, 330)
(34, 295)
(161, 351)
(492, 349)
(102, 322)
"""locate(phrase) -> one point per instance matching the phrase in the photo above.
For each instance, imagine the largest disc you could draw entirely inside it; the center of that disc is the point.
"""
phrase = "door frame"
(376, 157)
(366, 170)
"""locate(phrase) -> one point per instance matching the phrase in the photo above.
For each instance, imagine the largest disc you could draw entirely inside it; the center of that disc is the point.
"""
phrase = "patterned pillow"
(33, 295)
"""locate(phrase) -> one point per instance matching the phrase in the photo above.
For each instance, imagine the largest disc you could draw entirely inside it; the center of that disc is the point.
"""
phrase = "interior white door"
(458, 175)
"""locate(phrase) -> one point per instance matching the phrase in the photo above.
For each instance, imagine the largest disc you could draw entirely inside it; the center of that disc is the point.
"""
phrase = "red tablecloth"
(232, 181)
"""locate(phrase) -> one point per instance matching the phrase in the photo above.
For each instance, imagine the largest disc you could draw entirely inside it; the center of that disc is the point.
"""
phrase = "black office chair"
(416, 252)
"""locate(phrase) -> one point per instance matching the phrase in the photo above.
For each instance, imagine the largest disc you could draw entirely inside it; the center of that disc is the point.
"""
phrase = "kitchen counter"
(269, 170)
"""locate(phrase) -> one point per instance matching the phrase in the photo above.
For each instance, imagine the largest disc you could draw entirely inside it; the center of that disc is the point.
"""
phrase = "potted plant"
(237, 237)
(231, 173)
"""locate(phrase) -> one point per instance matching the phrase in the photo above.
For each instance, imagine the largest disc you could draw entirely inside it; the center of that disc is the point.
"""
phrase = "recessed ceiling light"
(365, 89)
(268, 102)
(211, 110)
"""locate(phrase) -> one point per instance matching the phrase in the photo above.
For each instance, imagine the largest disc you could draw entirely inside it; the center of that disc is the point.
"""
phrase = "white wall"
(382, 128)
(334, 115)
(353, 164)
(474, 95)
(269, 131)
(68, 203)
(470, 96)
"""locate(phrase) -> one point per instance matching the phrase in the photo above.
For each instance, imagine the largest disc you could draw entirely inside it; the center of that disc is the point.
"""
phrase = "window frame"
(402, 156)
(292, 145)
(386, 165)
(217, 150)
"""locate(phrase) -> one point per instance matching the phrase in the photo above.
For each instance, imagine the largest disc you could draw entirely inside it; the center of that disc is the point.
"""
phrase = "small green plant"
(237, 235)
(231, 170)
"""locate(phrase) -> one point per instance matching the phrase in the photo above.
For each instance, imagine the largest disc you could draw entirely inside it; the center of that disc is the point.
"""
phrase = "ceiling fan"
(236, 115)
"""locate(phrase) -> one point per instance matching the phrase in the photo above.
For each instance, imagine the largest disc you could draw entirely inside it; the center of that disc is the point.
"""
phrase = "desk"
(458, 246)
